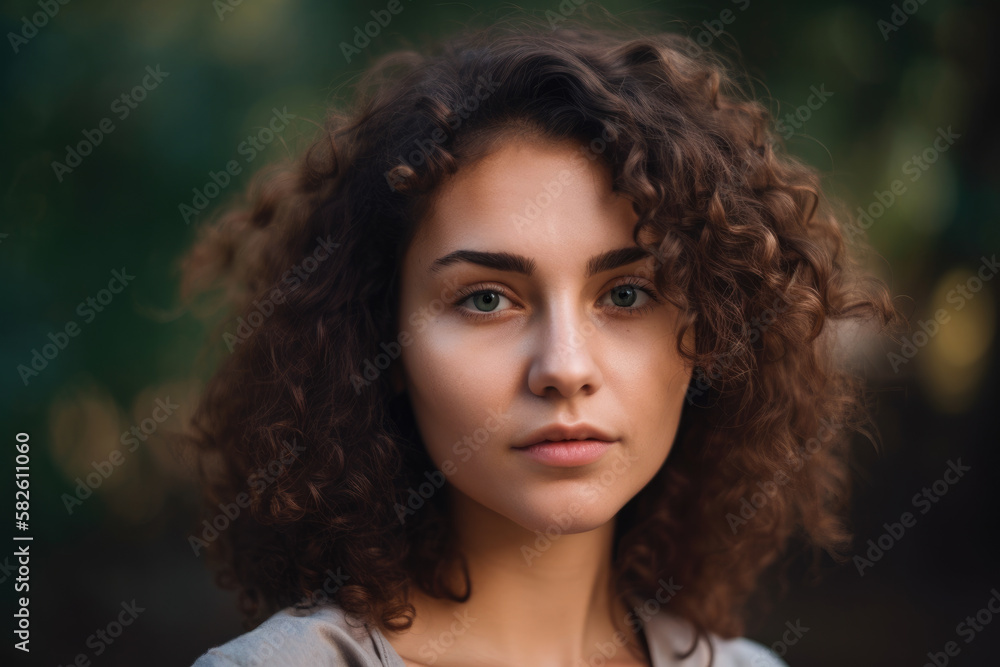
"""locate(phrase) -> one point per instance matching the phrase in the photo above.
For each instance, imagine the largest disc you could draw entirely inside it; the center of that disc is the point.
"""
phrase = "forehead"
(539, 195)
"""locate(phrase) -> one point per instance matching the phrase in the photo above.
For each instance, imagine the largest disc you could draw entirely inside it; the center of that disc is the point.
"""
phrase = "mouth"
(567, 441)
(559, 433)
(566, 453)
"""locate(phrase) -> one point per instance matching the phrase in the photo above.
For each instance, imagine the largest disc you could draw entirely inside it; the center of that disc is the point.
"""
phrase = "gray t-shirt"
(328, 636)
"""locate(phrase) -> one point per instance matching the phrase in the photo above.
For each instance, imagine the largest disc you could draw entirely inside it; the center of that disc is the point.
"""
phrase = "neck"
(536, 599)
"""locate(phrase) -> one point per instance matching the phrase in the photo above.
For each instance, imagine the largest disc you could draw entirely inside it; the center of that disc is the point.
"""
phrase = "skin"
(559, 347)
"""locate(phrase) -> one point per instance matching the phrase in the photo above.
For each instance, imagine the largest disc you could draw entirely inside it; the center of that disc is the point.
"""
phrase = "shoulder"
(668, 634)
(324, 635)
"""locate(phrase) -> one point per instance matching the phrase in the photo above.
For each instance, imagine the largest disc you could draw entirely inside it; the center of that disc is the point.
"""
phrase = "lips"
(563, 432)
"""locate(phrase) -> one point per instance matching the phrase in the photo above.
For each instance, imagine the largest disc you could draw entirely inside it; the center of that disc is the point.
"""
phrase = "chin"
(566, 515)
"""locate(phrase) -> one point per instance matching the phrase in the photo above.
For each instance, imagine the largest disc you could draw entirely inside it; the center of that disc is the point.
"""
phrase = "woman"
(535, 365)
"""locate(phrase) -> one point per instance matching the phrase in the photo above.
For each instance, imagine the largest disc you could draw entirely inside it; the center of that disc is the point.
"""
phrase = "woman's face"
(526, 329)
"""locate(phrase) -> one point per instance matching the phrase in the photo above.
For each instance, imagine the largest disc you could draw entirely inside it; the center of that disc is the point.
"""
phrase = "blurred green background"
(222, 70)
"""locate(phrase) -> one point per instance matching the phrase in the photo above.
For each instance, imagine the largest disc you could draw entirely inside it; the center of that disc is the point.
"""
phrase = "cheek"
(650, 382)
(646, 369)
(454, 390)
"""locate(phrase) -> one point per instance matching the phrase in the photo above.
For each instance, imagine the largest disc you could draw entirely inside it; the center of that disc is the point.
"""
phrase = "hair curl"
(748, 248)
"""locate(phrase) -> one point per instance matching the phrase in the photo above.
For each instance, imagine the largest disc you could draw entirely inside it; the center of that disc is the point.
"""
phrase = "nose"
(563, 356)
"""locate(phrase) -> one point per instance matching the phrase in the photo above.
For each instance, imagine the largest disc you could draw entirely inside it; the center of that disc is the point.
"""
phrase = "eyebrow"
(506, 261)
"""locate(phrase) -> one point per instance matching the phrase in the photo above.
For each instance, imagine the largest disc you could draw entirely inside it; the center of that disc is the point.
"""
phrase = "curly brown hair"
(747, 246)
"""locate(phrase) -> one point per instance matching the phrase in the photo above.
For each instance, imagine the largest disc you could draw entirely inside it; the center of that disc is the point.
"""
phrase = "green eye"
(628, 299)
(627, 294)
(486, 301)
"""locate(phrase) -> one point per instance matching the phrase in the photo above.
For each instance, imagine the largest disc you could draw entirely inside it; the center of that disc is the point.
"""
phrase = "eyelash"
(465, 294)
